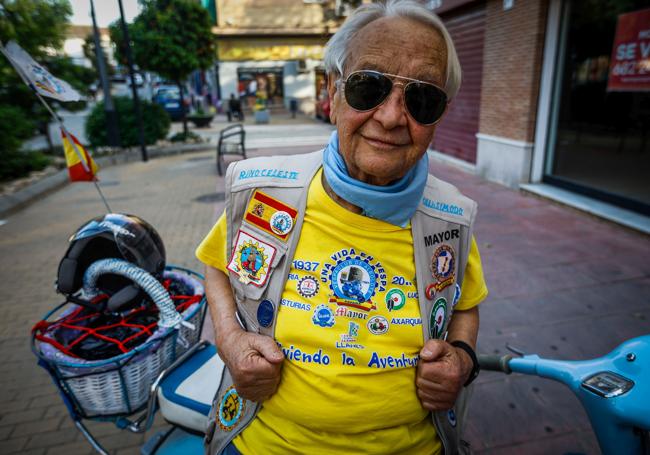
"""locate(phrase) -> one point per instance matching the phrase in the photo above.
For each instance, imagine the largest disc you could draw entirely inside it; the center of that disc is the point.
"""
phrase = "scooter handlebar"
(495, 362)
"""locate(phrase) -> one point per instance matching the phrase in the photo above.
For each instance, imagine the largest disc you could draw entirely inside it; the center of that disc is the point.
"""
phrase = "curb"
(11, 203)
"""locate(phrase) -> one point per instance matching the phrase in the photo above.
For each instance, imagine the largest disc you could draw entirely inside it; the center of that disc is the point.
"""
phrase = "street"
(562, 284)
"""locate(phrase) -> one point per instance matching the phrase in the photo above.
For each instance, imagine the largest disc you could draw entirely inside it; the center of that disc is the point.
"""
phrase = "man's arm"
(443, 369)
(254, 360)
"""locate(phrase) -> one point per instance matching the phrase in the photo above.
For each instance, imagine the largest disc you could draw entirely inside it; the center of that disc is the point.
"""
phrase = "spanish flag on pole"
(81, 166)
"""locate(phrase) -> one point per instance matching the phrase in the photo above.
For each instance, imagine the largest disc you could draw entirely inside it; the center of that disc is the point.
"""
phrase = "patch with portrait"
(231, 409)
(251, 259)
(443, 263)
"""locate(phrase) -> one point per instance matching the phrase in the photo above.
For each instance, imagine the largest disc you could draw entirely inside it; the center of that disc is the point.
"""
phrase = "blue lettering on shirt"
(296, 305)
(443, 207)
(390, 361)
(406, 321)
(297, 355)
(273, 173)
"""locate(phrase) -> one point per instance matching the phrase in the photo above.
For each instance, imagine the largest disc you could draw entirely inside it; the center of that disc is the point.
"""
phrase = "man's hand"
(441, 373)
(254, 361)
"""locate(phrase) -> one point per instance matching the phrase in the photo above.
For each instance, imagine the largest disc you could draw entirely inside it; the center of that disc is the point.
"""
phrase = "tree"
(37, 26)
(171, 38)
(91, 54)
(34, 25)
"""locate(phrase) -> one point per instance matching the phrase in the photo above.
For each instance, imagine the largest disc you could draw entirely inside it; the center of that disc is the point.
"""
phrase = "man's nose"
(392, 112)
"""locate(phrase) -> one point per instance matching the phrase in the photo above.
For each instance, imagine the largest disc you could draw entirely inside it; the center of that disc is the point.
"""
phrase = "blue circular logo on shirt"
(323, 316)
(354, 279)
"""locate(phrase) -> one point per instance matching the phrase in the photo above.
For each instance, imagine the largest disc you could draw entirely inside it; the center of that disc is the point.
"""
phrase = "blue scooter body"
(614, 419)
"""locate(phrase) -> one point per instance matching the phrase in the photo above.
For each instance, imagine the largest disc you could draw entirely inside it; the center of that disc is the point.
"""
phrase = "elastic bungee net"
(87, 335)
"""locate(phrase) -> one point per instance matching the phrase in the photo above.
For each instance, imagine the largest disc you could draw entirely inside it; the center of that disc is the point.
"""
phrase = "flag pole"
(108, 208)
(60, 122)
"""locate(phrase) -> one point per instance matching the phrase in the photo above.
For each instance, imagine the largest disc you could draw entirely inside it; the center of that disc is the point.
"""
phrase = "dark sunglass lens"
(426, 103)
(366, 90)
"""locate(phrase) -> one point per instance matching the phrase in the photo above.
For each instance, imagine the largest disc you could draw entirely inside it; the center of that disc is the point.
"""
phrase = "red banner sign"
(629, 68)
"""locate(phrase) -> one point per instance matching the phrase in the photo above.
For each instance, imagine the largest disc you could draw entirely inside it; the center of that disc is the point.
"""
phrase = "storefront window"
(256, 85)
(599, 142)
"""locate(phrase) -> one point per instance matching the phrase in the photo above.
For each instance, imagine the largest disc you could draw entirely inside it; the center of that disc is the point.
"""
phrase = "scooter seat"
(185, 396)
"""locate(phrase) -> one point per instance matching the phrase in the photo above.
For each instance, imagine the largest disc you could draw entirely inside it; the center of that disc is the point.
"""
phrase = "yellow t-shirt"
(348, 381)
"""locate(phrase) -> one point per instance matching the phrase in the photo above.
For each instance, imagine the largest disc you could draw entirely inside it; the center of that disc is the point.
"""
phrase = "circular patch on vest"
(437, 318)
(457, 293)
(451, 416)
(265, 313)
(231, 409)
(443, 263)
(281, 222)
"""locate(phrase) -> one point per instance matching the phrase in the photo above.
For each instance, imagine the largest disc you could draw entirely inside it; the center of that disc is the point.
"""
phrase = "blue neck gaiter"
(395, 203)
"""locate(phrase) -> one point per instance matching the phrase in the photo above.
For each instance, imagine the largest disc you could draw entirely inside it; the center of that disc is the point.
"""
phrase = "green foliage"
(91, 54)
(34, 24)
(155, 120)
(20, 164)
(15, 127)
(170, 37)
(37, 26)
(186, 137)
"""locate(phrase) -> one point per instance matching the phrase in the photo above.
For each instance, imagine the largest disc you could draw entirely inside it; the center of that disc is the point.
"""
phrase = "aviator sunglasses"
(366, 89)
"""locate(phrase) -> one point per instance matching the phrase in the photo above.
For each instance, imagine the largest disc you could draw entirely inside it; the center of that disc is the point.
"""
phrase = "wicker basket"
(121, 385)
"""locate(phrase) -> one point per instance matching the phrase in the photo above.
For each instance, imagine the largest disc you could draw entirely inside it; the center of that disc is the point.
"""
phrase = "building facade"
(555, 97)
(274, 47)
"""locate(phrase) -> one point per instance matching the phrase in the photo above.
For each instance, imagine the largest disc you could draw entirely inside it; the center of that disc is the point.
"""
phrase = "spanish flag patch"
(271, 215)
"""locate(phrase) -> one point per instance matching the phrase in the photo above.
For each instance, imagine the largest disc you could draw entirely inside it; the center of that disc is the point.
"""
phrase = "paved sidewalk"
(562, 284)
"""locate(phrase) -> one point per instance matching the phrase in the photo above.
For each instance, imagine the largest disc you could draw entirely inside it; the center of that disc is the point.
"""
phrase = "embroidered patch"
(308, 287)
(437, 318)
(443, 262)
(231, 408)
(395, 299)
(354, 279)
(281, 223)
(323, 316)
(378, 325)
(270, 215)
(251, 259)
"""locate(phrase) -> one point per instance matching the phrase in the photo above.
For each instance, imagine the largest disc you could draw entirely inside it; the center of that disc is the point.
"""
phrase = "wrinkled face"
(381, 145)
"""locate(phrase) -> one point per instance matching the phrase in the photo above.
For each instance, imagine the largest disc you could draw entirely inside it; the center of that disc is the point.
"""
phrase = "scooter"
(614, 390)
(172, 372)
(177, 375)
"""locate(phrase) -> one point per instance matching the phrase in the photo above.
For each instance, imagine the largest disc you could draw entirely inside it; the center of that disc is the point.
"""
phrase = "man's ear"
(332, 92)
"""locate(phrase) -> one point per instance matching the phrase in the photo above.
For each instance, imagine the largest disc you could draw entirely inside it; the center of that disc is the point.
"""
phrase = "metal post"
(109, 108)
(134, 89)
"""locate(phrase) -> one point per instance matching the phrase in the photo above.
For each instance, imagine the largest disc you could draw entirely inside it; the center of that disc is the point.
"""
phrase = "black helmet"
(114, 235)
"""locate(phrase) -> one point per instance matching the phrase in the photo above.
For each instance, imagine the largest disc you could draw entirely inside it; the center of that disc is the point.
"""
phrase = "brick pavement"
(562, 284)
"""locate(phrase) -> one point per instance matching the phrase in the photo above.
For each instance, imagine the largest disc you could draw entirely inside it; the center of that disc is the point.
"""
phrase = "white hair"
(338, 47)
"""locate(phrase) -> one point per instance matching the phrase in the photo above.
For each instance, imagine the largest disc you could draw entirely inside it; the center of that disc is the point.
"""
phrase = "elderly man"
(343, 341)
